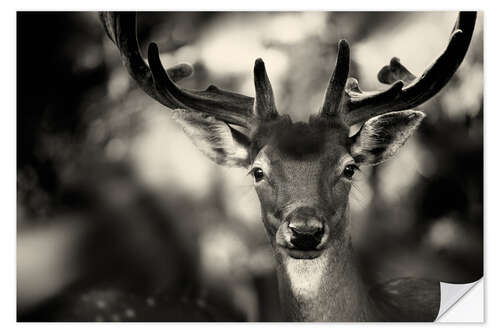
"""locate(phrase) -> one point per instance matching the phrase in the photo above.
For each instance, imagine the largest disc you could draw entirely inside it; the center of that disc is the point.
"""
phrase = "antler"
(343, 97)
(224, 105)
(407, 91)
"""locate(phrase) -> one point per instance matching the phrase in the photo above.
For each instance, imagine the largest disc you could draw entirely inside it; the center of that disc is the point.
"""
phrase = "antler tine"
(335, 92)
(120, 28)
(395, 71)
(360, 106)
(265, 107)
(224, 105)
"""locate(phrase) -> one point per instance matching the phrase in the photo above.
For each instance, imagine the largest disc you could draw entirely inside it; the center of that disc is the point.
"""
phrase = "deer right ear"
(382, 136)
(216, 139)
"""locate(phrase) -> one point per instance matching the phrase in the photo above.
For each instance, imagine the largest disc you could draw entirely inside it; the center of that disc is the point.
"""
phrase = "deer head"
(302, 171)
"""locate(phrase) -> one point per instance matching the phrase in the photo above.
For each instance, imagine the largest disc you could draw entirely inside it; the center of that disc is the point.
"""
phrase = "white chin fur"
(305, 275)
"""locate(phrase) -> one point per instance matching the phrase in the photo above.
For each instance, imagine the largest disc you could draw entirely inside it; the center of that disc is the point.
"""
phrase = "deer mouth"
(303, 254)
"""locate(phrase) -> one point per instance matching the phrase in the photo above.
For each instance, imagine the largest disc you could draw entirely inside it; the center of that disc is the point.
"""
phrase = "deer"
(303, 171)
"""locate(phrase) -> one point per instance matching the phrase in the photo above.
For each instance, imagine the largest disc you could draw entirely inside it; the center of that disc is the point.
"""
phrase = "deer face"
(302, 174)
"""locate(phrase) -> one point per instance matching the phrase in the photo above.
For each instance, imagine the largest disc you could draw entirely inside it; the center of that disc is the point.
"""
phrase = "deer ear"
(216, 139)
(382, 136)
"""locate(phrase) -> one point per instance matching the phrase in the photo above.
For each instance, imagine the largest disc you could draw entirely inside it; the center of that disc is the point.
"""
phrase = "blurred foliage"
(112, 196)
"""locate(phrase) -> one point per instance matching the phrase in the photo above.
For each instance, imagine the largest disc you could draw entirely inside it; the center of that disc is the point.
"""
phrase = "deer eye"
(258, 174)
(350, 170)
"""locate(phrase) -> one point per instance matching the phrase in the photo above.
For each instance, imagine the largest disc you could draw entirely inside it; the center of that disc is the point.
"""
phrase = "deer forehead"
(300, 143)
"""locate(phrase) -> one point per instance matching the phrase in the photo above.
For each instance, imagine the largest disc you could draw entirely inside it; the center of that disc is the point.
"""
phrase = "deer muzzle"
(305, 229)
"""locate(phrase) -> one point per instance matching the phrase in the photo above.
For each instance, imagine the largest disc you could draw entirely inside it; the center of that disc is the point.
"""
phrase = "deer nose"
(307, 228)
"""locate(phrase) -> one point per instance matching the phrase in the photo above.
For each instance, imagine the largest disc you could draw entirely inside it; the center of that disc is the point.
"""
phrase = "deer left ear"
(382, 136)
(216, 139)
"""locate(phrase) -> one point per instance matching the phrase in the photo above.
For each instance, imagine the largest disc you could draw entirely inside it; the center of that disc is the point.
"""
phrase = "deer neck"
(327, 288)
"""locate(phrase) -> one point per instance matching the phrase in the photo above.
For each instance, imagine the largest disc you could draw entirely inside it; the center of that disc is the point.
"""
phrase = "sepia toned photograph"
(313, 166)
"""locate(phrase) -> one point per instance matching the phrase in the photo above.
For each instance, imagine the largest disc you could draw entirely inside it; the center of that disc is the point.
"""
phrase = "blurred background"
(119, 217)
